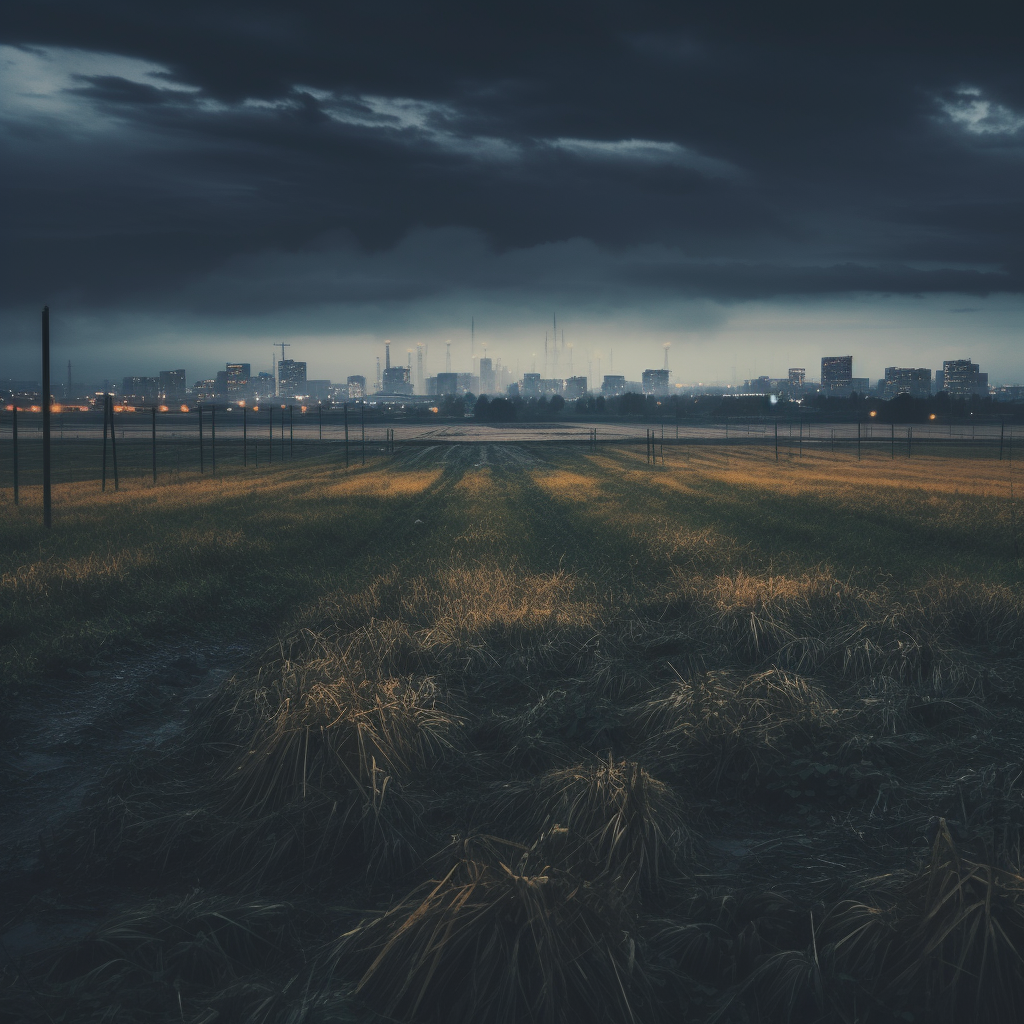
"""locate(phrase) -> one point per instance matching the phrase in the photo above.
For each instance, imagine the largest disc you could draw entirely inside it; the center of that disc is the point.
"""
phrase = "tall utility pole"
(46, 416)
(472, 341)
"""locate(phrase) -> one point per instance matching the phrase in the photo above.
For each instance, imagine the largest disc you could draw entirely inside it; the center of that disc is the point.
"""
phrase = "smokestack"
(448, 356)
(666, 347)
(387, 355)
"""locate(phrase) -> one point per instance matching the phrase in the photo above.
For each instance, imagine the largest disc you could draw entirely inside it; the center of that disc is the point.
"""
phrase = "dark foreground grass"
(590, 742)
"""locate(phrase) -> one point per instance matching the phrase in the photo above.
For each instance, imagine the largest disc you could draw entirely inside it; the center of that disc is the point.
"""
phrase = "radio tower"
(448, 356)
(666, 347)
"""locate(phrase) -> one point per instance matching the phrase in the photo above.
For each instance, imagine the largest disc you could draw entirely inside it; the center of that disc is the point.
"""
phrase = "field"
(500, 732)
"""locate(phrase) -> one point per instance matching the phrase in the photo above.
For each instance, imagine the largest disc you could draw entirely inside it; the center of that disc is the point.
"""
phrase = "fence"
(166, 446)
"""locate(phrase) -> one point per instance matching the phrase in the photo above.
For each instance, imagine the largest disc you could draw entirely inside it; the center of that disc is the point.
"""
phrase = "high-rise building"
(837, 374)
(614, 384)
(575, 387)
(486, 376)
(263, 386)
(140, 390)
(531, 385)
(961, 378)
(356, 386)
(797, 377)
(171, 386)
(468, 383)
(905, 380)
(237, 378)
(291, 378)
(397, 381)
(655, 382)
(447, 383)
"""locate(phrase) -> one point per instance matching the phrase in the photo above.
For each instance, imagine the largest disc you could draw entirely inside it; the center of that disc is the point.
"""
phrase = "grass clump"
(729, 727)
(501, 938)
(611, 819)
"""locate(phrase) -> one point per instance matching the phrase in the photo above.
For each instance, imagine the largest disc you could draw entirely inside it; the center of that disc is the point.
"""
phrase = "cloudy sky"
(188, 183)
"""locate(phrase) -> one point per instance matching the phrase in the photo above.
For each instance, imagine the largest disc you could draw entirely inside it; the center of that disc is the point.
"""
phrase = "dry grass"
(587, 659)
(500, 938)
(609, 820)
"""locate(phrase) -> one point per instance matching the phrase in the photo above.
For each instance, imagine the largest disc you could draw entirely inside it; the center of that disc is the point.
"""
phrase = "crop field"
(518, 733)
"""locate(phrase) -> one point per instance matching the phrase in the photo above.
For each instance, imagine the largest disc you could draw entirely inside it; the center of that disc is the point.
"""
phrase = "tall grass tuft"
(501, 938)
(611, 819)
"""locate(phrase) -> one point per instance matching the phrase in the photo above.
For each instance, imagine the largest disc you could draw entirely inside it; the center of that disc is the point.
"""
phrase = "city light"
(873, 413)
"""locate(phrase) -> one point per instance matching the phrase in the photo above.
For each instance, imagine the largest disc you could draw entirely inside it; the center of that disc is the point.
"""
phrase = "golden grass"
(386, 484)
(566, 485)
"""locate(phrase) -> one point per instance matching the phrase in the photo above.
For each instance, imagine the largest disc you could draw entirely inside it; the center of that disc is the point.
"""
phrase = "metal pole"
(892, 440)
(106, 416)
(154, 444)
(776, 440)
(270, 447)
(320, 418)
(46, 416)
(14, 440)
(362, 430)
(213, 439)
(245, 436)
(282, 434)
(202, 465)
(858, 439)
(113, 442)
(910, 436)
(1002, 427)
(346, 435)
(291, 431)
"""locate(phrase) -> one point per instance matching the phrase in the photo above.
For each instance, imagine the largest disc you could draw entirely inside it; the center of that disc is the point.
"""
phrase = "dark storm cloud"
(758, 154)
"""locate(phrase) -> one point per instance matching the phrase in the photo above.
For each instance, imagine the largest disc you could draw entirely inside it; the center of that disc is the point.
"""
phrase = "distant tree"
(632, 405)
(500, 410)
(480, 409)
(600, 405)
(556, 405)
(452, 405)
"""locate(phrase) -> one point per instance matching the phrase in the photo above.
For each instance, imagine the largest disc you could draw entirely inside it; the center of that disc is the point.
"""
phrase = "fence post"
(270, 446)
(245, 436)
(14, 441)
(858, 439)
(910, 437)
(45, 396)
(1002, 427)
(202, 464)
(154, 444)
(346, 434)
(106, 413)
(213, 439)
(320, 417)
(113, 440)
(362, 429)
(291, 430)
(776, 440)
(892, 440)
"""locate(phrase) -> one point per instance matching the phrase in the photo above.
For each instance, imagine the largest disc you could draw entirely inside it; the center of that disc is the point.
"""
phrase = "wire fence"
(165, 447)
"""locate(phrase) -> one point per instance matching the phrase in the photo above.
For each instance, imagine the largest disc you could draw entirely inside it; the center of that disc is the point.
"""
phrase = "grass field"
(538, 734)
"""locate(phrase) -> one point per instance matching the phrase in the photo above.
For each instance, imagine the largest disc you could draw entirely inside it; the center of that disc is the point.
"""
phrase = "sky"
(755, 185)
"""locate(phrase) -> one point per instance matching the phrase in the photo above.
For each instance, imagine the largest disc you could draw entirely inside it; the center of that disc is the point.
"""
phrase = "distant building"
(356, 386)
(552, 386)
(614, 384)
(575, 387)
(291, 378)
(263, 386)
(469, 383)
(317, 390)
(140, 390)
(837, 374)
(531, 385)
(654, 382)
(204, 390)
(397, 380)
(237, 379)
(961, 378)
(171, 387)
(487, 384)
(797, 377)
(905, 380)
(221, 383)
(447, 384)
